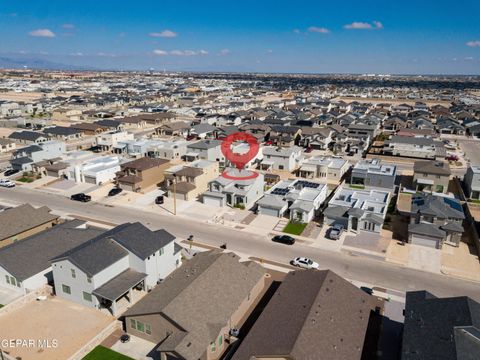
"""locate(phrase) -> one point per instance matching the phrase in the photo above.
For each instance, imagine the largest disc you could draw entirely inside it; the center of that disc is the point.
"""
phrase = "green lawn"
(26, 179)
(294, 228)
(475, 201)
(101, 353)
(358, 186)
(1, 306)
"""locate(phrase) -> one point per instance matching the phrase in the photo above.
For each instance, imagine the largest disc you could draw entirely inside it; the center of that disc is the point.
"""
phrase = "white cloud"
(469, 58)
(105, 54)
(42, 33)
(320, 30)
(296, 31)
(78, 53)
(357, 25)
(269, 51)
(224, 52)
(473, 43)
(180, 52)
(165, 34)
(68, 26)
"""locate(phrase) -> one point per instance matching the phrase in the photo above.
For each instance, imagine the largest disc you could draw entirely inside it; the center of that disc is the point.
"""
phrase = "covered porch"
(117, 294)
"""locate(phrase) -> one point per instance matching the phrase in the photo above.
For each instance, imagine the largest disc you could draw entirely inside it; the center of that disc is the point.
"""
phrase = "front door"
(354, 224)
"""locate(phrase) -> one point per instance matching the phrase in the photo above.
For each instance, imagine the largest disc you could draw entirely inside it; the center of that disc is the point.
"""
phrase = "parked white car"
(6, 183)
(304, 262)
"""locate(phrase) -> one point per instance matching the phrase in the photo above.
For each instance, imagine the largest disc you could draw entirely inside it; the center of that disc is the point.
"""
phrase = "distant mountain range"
(35, 63)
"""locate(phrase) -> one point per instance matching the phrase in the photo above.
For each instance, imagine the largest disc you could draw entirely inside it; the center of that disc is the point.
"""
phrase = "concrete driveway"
(8, 295)
(137, 348)
(425, 258)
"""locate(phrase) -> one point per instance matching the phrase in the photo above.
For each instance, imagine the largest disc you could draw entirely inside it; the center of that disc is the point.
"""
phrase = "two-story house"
(416, 147)
(112, 266)
(142, 174)
(113, 141)
(24, 158)
(187, 182)
(432, 176)
(373, 173)
(206, 150)
(231, 190)
(324, 168)
(277, 158)
(472, 182)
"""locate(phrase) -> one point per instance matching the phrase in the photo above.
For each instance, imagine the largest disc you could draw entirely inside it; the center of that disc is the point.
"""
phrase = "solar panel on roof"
(453, 204)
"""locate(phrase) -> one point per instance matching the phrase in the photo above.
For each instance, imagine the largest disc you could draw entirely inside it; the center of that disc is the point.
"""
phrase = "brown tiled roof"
(144, 163)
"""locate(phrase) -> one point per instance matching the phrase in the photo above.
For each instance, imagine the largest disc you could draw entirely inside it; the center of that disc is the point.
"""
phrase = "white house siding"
(63, 276)
(160, 266)
(37, 281)
(3, 281)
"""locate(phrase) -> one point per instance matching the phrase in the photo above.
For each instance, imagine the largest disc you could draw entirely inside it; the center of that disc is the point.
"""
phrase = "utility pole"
(174, 194)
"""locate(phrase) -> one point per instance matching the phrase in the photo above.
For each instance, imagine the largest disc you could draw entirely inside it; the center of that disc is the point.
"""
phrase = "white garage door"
(417, 240)
(268, 211)
(213, 201)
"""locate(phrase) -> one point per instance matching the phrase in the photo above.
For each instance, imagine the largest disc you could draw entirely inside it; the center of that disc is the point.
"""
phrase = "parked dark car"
(159, 200)
(284, 239)
(11, 172)
(366, 289)
(115, 191)
(81, 197)
(125, 338)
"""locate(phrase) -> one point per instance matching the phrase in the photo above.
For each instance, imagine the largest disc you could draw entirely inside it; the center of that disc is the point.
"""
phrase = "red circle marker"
(240, 160)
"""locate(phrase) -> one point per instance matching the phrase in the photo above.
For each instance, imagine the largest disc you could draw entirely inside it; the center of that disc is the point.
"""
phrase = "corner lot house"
(440, 328)
(435, 220)
(110, 267)
(22, 221)
(313, 315)
(142, 174)
(432, 176)
(191, 313)
(358, 210)
(232, 192)
(374, 173)
(300, 199)
(25, 265)
(472, 182)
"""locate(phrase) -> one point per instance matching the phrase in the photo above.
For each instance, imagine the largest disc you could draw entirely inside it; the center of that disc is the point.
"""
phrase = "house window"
(8, 279)
(213, 346)
(148, 329)
(66, 289)
(280, 167)
(73, 273)
(220, 340)
(140, 326)
(13, 281)
(133, 324)
(87, 296)
(89, 279)
(161, 251)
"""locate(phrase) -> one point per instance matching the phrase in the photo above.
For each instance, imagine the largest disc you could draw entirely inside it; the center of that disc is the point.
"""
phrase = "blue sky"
(403, 37)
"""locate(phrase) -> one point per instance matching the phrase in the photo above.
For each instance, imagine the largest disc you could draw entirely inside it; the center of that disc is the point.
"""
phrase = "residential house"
(277, 158)
(435, 220)
(25, 264)
(27, 137)
(207, 150)
(203, 131)
(142, 174)
(312, 315)
(7, 145)
(111, 267)
(433, 176)
(284, 135)
(24, 220)
(113, 141)
(358, 210)
(373, 173)
(179, 313)
(362, 131)
(299, 199)
(23, 159)
(326, 169)
(472, 182)
(178, 128)
(415, 147)
(231, 190)
(85, 167)
(89, 128)
(316, 138)
(62, 133)
(187, 182)
(440, 328)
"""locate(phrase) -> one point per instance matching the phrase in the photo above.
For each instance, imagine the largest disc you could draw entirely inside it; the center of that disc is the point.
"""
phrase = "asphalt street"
(359, 268)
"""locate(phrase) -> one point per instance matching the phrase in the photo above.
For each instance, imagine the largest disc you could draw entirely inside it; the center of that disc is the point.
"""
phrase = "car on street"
(6, 183)
(366, 289)
(336, 231)
(81, 197)
(115, 191)
(304, 262)
(11, 172)
(284, 239)
(159, 200)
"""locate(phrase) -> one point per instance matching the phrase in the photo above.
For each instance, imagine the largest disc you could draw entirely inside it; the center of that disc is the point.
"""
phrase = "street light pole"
(174, 194)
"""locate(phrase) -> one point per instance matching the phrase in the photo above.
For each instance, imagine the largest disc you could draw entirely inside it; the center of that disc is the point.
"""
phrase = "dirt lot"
(69, 324)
